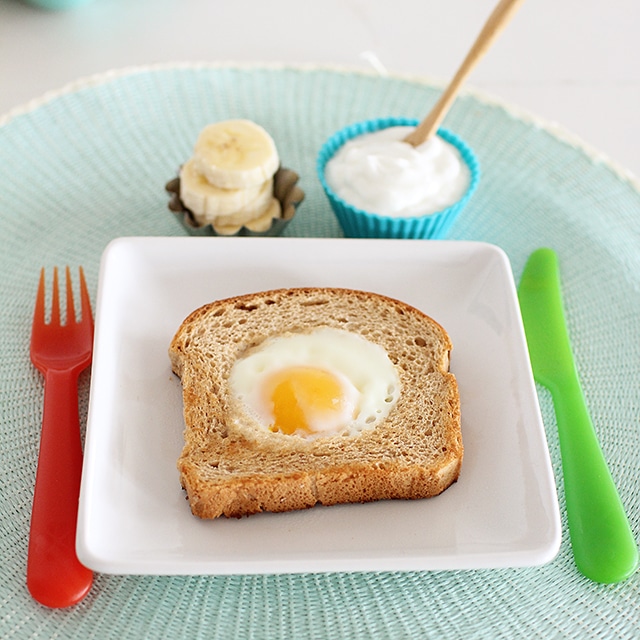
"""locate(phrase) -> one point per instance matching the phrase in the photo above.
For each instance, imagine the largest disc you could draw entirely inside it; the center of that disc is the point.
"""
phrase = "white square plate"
(502, 512)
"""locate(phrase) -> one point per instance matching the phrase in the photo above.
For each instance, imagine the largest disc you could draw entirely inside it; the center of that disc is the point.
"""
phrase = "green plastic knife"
(601, 537)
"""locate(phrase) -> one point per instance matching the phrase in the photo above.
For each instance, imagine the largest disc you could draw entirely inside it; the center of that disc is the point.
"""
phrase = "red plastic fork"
(55, 576)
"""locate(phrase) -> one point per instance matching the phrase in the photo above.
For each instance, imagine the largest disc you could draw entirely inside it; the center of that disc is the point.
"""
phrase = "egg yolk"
(305, 399)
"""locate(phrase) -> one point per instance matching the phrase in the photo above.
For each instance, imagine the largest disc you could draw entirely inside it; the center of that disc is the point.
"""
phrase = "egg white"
(370, 381)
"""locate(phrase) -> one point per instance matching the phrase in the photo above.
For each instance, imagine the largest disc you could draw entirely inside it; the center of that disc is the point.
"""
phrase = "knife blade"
(601, 538)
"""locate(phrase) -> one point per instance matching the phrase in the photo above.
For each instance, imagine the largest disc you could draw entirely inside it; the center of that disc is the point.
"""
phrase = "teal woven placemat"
(89, 164)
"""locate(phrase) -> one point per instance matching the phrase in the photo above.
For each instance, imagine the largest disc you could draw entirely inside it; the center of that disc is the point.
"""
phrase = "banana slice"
(235, 154)
(251, 210)
(263, 223)
(208, 201)
(260, 224)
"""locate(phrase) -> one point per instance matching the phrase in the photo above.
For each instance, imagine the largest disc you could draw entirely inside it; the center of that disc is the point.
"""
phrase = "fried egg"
(319, 383)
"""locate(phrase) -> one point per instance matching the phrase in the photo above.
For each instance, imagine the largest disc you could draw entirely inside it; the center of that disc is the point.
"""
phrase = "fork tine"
(85, 299)
(71, 310)
(38, 312)
(55, 299)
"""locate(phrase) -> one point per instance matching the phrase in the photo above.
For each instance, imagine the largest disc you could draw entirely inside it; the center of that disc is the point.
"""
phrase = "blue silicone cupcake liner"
(357, 223)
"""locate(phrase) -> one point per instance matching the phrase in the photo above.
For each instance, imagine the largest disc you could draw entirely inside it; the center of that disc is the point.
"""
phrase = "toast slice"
(227, 469)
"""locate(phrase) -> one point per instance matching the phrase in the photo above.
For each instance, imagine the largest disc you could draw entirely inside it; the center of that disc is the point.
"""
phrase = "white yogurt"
(379, 173)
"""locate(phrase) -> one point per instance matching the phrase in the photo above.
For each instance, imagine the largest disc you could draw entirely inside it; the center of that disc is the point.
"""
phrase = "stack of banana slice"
(228, 182)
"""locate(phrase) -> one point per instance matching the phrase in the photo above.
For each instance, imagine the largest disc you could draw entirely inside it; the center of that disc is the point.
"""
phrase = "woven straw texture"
(89, 163)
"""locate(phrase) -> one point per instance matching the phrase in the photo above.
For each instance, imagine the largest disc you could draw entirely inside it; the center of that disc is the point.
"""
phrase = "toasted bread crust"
(226, 469)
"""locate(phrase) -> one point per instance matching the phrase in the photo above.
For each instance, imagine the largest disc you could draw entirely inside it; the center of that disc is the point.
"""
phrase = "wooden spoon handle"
(497, 21)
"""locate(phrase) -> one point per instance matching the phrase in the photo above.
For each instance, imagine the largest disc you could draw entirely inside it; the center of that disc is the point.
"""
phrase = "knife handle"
(603, 544)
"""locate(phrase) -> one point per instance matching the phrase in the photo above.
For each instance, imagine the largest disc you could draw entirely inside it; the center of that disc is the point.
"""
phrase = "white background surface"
(571, 62)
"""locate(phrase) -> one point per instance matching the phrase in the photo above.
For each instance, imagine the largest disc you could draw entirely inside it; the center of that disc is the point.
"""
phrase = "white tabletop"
(574, 63)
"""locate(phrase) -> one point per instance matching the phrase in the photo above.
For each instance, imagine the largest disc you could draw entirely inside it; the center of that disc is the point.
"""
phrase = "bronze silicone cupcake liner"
(285, 190)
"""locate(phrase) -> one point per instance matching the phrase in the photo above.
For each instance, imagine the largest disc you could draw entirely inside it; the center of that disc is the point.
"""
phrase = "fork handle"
(55, 576)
